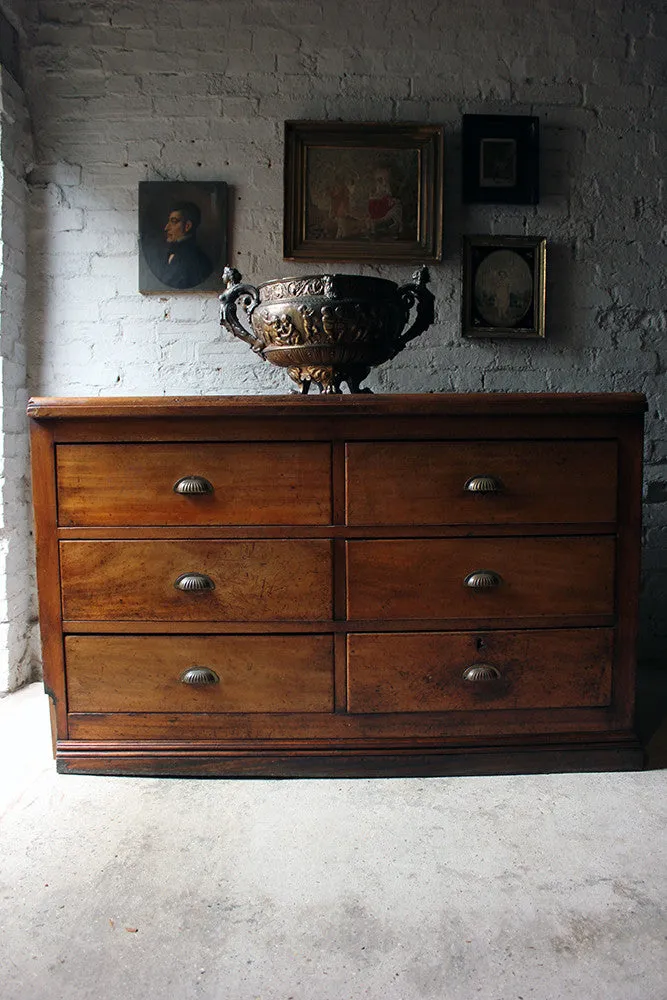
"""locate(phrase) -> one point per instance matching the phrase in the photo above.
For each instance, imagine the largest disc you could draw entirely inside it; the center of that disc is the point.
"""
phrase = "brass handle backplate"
(192, 486)
(481, 672)
(483, 484)
(482, 579)
(191, 582)
(199, 675)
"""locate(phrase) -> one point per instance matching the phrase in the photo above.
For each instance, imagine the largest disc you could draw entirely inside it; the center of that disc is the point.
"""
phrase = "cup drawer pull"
(193, 486)
(481, 672)
(199, 676)
(483, 484)
(482, 579)
(190, 582)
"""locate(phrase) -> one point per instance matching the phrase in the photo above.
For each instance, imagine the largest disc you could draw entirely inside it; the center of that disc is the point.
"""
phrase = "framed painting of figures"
(363, 191)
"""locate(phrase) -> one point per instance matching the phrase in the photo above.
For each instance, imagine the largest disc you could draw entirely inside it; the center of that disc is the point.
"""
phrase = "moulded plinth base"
(624, 754)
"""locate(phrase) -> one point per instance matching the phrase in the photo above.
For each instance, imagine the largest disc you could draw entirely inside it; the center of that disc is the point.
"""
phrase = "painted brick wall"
(18, 656)
(185, 89)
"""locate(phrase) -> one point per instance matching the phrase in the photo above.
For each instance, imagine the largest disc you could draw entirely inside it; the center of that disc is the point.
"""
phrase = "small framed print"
(182, 235)
(504, 283)
(363, 191)
(501, 159)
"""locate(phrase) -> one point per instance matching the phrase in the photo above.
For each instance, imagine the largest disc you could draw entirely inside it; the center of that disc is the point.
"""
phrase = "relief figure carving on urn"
(327, 329)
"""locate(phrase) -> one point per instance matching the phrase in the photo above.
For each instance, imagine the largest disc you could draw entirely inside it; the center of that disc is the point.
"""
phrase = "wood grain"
(253, 483)
(423, 578)
(48, 576)
(559, 756)
(322, 630)
(143, 673)
(255, 580)
(423, 672)
(368, 732)
(423, 483)
(401, 404)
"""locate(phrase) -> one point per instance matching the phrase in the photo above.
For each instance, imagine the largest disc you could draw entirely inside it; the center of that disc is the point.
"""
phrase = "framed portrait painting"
(363, 191)
(182, 235)
(501, 159)
(504, 281)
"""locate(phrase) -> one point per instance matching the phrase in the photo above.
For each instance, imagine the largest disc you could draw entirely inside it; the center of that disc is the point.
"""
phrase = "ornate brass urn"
(327, 328)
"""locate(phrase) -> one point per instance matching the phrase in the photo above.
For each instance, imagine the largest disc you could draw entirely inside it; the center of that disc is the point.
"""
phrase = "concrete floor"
(549, 887)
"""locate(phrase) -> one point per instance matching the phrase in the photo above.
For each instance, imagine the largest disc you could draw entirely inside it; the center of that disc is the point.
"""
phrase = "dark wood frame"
(532, 249)
(524, 131)
(427, 140)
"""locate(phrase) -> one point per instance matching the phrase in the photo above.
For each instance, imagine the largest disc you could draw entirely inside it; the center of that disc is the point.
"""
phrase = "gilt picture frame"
(500, 159)
(363, 192)
(504, 287)
(182, 236)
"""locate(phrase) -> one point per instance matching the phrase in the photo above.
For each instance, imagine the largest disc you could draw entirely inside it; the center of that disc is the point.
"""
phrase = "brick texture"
(18, 657)
(192, 89)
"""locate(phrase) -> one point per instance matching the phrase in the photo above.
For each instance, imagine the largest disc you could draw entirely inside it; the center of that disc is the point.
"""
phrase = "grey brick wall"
(148, 89)
(18, 657)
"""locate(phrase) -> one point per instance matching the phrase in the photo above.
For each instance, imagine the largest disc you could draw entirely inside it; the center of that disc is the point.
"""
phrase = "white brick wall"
(150, 89)
(18, 657)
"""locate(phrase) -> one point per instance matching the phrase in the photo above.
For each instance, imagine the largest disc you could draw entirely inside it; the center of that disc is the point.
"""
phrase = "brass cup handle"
(193, 582)
(193, 486)
(482, 579)
(479, 672)
(483, 484)
(200, 676)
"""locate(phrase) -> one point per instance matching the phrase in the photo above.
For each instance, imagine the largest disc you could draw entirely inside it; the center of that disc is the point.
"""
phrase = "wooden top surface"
(400, 404)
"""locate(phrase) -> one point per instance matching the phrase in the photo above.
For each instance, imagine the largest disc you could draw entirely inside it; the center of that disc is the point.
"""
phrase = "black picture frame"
(500, 159)
(504, 287)
(195, 262)
(333, 206)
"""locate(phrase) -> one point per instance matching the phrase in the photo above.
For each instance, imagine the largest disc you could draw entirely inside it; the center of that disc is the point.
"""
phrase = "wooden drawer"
(424, 578)
(424, 672)
(263, 580)
(252, 483)
(424, 482)
(260, 673)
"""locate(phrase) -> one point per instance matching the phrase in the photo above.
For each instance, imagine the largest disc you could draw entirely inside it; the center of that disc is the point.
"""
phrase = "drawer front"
(459, 671)
(263, 580)
(249, 483)
(533, 482)
(425, 578)
(262, 673)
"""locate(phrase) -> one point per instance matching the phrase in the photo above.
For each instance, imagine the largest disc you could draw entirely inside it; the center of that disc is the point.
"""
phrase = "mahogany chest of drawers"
(339, 585)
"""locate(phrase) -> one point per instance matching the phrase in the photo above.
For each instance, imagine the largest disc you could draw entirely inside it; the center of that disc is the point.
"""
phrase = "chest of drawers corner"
(340, 585)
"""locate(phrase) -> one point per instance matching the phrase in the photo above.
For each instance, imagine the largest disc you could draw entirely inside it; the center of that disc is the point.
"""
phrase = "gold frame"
(426, 140)
(533, 251)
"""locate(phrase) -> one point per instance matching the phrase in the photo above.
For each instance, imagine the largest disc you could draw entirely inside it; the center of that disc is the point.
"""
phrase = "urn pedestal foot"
(329, 380)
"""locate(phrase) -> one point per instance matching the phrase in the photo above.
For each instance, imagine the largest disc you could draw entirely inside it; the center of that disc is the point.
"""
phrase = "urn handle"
(415, 293)
(235, 294)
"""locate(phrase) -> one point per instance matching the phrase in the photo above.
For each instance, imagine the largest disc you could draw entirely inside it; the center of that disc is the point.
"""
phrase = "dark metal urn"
(327, 329)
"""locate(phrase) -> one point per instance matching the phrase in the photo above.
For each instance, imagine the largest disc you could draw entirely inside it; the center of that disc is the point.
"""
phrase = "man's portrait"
(182, 235)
